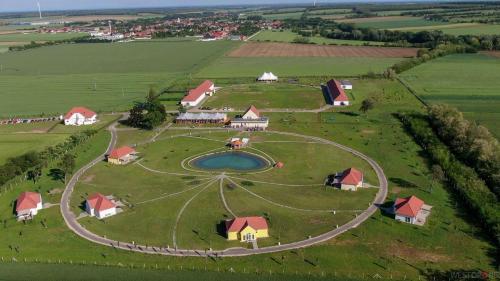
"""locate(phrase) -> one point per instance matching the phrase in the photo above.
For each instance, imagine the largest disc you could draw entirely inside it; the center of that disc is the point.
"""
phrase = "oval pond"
(230, 160)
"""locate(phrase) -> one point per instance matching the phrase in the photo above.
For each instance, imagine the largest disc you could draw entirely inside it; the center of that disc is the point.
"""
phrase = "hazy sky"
(30, 5)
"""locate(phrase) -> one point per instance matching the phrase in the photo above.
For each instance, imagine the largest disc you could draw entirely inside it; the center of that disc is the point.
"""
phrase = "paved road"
(73, 224)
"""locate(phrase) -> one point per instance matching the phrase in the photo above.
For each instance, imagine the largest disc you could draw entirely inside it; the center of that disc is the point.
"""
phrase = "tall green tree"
(67, 165)
(367, 104)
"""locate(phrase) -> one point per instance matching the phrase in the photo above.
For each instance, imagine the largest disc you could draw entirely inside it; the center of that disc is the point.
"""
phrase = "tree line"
(32, 163)
(33, 44)
(463, 181)
(471, 143)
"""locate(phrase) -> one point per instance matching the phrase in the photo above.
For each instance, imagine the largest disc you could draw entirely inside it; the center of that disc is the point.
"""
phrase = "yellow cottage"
(247, 229)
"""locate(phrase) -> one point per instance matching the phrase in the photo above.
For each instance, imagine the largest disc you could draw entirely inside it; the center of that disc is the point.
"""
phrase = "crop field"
(281, 16)
(392, 22)
(459, 28)
(277, 95)
(288, 36)
(305, 50)
(229, 67)
(37, 37)
(469, 82)
(101, 76)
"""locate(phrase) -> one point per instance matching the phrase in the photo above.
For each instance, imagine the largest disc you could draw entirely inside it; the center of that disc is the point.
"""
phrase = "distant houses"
(350, 179)
(411, 210)
(336, 93)
(201, 118)
(247, 229)
(267, 77)
(198, 94)
(250, 120)
(122, 155)
(28, 204)
(100, 206)
(80, 116)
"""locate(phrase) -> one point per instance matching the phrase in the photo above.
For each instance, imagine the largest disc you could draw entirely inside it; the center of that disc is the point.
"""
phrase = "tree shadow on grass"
(56, 174)
(221, 228)
(349, 113)
(403, 183)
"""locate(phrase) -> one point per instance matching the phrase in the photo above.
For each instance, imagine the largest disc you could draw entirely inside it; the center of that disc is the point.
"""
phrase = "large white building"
(99, 206)
(251, 120)
(80, 116)
(28, 204)
(198, 94)
(267, 77)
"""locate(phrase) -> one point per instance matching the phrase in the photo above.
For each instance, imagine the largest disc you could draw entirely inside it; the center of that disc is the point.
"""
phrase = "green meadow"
(101, 76)
(28, 37)
(393, 22)
(469, 82)
(460, 29)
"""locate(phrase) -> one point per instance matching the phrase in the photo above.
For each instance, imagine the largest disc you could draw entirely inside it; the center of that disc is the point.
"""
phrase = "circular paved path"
(76, 227)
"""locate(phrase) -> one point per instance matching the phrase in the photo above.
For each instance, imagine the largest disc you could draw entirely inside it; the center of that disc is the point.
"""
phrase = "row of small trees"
(472, 143)
(33, 44)
(32, 163)
(462, 180)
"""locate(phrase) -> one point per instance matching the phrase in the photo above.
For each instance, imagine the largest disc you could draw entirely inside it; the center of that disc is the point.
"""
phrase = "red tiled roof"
(87, 113)
(337, 91)
(351, 176)
(195, 93)
(99, 202)
(409, 206)
(254, 110)
(28, 200)
(238, 224)
(120, 152)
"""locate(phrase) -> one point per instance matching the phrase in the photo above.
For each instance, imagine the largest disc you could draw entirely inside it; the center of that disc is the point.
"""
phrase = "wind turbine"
(39, 9)
(314, 4)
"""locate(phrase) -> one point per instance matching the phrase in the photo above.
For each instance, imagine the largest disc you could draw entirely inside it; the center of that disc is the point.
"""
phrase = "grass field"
(391, 22)
(100, 76)
(226, 67)
(278, 95)
(16, 144)
(288, 37)
(468, 82)
(460, 29)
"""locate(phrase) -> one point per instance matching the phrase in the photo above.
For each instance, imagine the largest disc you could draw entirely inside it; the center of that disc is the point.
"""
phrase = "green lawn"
(468, 82)
(278, 95)
(460, 29)
(288, 36)
(100, 76)
(16, 144)
(226, 67)
(28, 37)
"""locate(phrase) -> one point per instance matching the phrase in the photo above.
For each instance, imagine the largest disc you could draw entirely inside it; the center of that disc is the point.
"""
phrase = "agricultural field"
(468, 82)
(278, 95)
(392, 22)
(38, 37)
(100, 76)
(281, 16)
(305, 50)
(382, 245)
(459, 28)
(288, 36)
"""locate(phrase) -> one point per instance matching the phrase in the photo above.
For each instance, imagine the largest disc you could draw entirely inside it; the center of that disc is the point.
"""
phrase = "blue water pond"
(231, 160)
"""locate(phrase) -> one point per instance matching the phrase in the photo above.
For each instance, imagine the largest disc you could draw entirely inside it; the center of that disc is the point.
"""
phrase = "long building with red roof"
(198, 94)
(80, 116)
(336, 93)
(100, 206)
(27, 204)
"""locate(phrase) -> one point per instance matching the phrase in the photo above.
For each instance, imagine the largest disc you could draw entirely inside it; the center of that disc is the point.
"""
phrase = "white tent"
(268, 76)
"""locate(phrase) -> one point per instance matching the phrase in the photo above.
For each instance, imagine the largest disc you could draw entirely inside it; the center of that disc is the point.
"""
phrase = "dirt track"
(305, 50)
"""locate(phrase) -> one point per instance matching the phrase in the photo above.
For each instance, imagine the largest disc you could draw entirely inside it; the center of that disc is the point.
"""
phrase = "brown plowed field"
(305, 50)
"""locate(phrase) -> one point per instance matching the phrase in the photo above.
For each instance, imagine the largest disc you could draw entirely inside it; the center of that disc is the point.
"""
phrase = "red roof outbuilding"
(28, 200)
(194, 94)
(87, 113)
(99, 202)
(409, 206)
(336, 91)
(118, 153)
(351, 176)
(254, 110)
(238, 224)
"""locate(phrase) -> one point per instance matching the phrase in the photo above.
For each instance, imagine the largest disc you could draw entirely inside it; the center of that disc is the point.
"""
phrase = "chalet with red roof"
(411, 210)
(27, 205)
(247, 229)
(251, 120)
(80, 116)
(198, 94)
(350, 179)
(100, 206)
(122, 155)
(336, 93)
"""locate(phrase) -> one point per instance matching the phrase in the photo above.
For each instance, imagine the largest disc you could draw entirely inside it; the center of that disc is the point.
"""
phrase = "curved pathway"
(72, 223)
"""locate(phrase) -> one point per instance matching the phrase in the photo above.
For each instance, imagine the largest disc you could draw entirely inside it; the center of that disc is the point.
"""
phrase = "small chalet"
(237, 143)
(80, 116)
(201, 118)
(346, 84)
(411, 210)
(122, 155)
(247, 229)
(99, 206)
(251, 120)
(336, 93)
(349, 179)
(198, 94)
(28, 204)
(267, 77)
